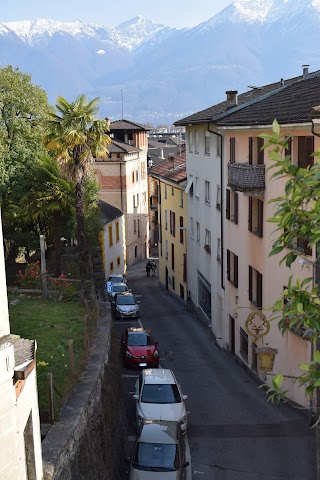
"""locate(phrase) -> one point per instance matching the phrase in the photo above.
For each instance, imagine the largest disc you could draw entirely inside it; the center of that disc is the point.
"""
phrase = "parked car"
(117, 287)
(117, 278)
(159, 452)
(125, 305)
(138, 348)
(158, 397)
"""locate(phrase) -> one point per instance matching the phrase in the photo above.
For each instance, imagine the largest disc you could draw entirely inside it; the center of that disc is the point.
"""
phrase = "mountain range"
(152, 73)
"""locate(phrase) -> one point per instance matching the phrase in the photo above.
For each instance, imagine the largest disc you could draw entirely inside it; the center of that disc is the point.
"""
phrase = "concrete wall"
(89, 441)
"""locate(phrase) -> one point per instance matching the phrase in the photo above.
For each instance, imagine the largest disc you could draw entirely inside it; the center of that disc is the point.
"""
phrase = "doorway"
(167, 279)
(232, 335)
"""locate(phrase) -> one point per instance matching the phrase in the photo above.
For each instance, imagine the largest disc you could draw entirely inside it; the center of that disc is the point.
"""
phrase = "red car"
(138, 349)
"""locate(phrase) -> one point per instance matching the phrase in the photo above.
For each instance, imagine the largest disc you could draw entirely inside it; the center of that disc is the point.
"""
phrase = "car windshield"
(156, 457)
(161, 393)
(116, 279)
(125, 300)
(120, 288)
(139, 339)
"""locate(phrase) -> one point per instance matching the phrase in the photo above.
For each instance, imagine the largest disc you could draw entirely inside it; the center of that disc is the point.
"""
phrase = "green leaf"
(276, 127)
(304, 366)
(316, 356)
(277, 381)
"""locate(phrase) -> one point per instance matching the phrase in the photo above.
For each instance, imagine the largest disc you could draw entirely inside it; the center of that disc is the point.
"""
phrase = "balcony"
(153, 202)
(246, 178)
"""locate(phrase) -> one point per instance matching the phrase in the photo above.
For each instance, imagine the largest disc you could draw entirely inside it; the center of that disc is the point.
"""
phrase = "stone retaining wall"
(88, 442)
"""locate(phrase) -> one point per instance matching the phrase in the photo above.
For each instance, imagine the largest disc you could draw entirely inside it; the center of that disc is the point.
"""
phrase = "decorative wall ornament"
(257, 325)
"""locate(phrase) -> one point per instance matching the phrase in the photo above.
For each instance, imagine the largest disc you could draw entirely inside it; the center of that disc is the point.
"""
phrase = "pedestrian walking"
(148, 268)
(153, 267)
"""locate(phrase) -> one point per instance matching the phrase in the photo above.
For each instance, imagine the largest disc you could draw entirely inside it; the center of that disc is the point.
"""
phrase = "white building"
(20, 439)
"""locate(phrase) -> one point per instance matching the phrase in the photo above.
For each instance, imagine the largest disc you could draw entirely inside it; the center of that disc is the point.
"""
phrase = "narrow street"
(233, 433)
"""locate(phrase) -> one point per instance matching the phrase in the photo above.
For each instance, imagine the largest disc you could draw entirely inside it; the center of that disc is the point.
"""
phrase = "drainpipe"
(220, 138)
(121, 200)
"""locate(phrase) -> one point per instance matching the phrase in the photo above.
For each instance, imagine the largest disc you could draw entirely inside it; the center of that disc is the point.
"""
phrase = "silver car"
(125, 305)
(159, 452)
(117, 287)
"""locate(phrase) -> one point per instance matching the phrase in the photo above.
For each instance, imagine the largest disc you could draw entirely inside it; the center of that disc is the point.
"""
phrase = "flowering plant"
(31, 277)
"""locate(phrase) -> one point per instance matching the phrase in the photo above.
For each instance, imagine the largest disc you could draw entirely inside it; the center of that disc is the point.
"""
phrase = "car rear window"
(139, 339)
(120, 288)
(157, 457)
(160, 393)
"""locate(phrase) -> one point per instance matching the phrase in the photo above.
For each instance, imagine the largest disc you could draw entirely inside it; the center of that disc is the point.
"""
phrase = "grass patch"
(52, 324)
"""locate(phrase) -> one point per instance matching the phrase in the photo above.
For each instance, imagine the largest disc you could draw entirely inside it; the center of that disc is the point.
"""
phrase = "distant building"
(20, 439)
(168, 205)
(113, 239)
(122, 178)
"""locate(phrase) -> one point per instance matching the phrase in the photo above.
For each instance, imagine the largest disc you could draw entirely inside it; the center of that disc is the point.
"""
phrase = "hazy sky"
(173, 13)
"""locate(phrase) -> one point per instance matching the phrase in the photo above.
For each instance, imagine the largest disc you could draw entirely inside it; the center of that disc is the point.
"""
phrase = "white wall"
(4, 315)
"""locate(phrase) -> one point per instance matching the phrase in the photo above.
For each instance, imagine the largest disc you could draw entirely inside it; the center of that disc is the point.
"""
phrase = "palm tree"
(77, 137)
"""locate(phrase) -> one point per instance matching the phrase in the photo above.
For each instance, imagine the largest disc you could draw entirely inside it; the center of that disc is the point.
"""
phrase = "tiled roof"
(292, 103)
(108, 212)
(206, 115)
(172, 170)
(24, 349)
(120, 147)
(127, 125)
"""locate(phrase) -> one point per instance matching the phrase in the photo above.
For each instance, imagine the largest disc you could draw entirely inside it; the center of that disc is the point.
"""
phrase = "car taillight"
(128, 354)
(156, 353)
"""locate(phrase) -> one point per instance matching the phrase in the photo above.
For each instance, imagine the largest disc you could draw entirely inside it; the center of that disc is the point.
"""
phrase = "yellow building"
(172, 219)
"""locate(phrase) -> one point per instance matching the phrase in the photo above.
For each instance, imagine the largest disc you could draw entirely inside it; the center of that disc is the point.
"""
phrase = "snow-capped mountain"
(162, 72)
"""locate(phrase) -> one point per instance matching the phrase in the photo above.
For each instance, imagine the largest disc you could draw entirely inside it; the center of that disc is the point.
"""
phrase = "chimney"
(282, 82)
(171, 158)
(305, 70)
(232, 98)
(161, 154)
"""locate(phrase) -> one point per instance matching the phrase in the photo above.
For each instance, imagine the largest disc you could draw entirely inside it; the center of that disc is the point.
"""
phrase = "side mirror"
(186, 464)
(156, 344)
(184, 397)
(136, 397)
(128, 459)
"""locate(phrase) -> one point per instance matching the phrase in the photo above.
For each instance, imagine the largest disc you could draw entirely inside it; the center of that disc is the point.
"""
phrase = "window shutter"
(260, 153)
(250, 215)
(228, 204)
(302, 152)
(250, 283)
(306, 249)
(309, 150)
(228, 264)
(260, 218)
(181, 231)
(172, 256)
(174, 224)
(235, 267)
(259, 290)
(236, 208)
(250, 150)
(288, 150)
(232, 150)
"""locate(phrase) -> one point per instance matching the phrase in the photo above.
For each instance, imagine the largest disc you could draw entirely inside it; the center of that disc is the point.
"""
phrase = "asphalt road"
(233, 433)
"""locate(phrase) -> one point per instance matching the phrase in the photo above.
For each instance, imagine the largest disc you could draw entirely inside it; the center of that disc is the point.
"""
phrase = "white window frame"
(197, 189)
(191, 227)
(207, 140)
(198, 231)
(196, 143)
(207, 192)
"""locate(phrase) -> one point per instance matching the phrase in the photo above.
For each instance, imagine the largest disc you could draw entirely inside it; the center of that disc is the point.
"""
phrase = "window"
(197, 187)
(172, 223)
(218, 250)
(181, 229)
(301, 244)
(172, 256)
(172, 191)
(207, 241)
(191, 146)
(137, 199)
(166, 219)
(232, 150)
(207, 143)
(134, 226)
(117, 232)
(189, 186)
(232, 268)
(244, 343)
(118, 262)
(196, 147)
(143, 171)
(132, 176)
(165, 191)
(198, 232)
(256, 155)
(255, 223)
(218, 146)
(255, 287)
(110, 235)
(134, 201)
(137, 175)
(173, 283)
(184, 267)
(167, 253)
(232, 206)
(305, 149)
(181, 198)
(218, 198)
(111, 267)
(144, 197)
(191, 228)
(204, 295)
(207, 191)
(139, 233)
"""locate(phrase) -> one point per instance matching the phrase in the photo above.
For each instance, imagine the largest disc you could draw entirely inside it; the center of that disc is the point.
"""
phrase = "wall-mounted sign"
(257, 325)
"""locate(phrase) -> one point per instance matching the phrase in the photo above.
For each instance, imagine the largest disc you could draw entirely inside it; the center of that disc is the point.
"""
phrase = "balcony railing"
(245, 177)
